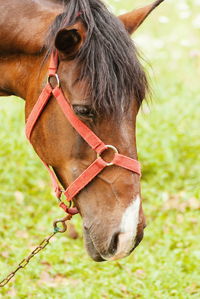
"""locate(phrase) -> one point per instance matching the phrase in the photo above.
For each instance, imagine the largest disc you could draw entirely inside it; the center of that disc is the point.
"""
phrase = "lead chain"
(40, 247)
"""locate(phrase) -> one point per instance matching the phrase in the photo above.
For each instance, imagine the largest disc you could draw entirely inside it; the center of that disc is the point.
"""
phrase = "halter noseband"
(86, 133)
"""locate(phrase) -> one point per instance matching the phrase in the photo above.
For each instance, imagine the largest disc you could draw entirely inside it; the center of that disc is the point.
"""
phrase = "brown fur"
(23, 28)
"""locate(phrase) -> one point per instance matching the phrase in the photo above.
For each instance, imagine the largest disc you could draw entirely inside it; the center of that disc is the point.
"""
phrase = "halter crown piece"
(86, 133)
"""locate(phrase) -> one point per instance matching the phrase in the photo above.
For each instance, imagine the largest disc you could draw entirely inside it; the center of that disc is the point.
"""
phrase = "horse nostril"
(85, 227)
(114, 244)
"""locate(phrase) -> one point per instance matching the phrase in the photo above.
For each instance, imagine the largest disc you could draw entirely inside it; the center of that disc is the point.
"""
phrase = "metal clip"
(63, 221)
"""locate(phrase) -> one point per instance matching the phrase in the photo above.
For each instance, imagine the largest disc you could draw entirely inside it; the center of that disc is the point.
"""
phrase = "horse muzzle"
(108, 242)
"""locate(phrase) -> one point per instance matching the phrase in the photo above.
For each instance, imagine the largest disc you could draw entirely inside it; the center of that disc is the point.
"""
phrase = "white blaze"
(128, 229)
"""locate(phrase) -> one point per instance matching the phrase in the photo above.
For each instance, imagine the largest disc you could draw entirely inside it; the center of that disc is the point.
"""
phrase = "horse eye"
(85, 111)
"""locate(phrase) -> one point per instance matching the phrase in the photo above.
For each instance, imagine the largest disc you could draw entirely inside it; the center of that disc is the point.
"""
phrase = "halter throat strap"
(84, 131)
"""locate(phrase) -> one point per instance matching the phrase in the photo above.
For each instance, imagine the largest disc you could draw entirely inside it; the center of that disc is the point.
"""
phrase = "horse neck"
(23, 27)
(24, 24)
(20, 74)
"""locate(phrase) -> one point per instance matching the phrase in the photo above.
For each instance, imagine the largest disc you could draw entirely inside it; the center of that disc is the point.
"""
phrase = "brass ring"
(107, 147)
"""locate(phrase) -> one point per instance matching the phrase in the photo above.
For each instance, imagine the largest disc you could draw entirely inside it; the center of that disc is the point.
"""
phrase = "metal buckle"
(108, 147)
(57, 80)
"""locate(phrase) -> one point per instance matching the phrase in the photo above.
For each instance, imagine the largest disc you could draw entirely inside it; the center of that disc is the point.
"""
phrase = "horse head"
(102, 78)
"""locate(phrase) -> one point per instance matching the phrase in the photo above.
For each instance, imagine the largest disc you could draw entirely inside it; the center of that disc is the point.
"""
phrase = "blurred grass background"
(166, 264)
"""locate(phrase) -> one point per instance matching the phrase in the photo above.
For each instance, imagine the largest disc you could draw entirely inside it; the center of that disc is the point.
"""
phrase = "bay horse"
(102, 79)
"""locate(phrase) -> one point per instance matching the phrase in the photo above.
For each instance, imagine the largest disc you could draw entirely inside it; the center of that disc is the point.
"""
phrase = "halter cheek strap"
(86, 133)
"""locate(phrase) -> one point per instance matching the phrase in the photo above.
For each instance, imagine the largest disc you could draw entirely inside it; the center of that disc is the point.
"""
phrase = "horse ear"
(135, 18)
(69, 40)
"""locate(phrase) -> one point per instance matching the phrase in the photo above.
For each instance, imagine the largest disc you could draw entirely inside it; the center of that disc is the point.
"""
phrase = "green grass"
(166, 264)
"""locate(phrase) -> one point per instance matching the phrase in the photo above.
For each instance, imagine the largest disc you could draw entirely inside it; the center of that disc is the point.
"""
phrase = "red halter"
(96, 144)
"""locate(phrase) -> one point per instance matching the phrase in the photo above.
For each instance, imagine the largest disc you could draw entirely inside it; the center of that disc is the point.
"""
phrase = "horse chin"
(92, 251)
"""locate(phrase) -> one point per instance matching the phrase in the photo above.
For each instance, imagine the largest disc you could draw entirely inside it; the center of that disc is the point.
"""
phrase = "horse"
(104, 83)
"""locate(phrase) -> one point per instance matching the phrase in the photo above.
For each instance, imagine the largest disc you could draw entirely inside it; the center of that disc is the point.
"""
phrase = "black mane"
(108, 57)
